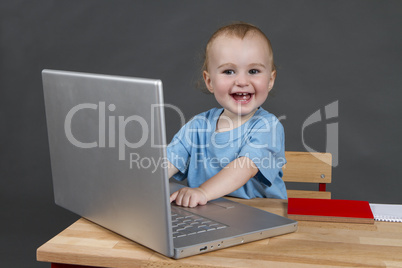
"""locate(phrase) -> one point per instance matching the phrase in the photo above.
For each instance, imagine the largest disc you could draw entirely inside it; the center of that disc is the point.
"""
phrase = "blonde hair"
(240, 30)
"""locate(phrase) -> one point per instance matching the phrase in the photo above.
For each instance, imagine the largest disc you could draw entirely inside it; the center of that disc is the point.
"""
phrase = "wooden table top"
(313, 244)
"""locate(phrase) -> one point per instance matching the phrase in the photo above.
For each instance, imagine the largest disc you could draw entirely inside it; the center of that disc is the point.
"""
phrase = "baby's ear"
(272, 80)
(207, 80)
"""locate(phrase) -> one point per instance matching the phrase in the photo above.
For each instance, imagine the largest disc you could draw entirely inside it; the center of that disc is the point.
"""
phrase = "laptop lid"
(103, 167)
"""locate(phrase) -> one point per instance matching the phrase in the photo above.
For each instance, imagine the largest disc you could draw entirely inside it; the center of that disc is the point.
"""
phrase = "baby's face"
(239, 73)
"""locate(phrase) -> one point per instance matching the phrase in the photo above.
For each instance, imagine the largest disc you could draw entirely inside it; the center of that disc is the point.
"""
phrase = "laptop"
(108, 159)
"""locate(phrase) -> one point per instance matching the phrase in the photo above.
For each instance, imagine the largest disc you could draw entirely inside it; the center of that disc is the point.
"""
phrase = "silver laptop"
(108, 159)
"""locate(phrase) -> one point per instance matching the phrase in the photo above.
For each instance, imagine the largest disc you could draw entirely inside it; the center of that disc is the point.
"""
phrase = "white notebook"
(385, 212)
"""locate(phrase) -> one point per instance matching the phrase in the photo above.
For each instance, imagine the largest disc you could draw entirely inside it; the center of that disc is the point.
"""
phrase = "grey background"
(326, 51)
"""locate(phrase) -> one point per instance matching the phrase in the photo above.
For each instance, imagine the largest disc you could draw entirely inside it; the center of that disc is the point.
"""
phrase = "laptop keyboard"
(185, 223)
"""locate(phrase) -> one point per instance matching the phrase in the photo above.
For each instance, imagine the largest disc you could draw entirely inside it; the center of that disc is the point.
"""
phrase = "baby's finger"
(179, 197)
(173, 196)
(193, 201)
(185, 199)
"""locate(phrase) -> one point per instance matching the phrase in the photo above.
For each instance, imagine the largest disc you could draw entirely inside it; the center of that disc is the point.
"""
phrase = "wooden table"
(314, 244)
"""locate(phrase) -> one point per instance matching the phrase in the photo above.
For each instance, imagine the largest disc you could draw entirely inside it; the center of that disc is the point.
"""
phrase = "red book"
(332, 210)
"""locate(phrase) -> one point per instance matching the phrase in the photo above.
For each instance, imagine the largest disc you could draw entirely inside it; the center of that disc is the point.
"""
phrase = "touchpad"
(224, 203)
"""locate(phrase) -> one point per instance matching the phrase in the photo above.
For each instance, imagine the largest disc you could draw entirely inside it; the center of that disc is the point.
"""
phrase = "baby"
(236, 150)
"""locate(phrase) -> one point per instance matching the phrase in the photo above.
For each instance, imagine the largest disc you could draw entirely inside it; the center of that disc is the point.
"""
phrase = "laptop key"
(186, 223)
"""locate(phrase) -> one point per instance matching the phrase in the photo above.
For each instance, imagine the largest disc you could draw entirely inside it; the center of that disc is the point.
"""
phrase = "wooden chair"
(308, 167)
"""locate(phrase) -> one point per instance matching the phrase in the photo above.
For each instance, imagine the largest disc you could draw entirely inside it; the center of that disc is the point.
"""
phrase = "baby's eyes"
(253, 71)
(228, 72)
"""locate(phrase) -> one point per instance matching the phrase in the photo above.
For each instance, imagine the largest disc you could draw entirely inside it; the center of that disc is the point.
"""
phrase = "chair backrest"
(308, 167)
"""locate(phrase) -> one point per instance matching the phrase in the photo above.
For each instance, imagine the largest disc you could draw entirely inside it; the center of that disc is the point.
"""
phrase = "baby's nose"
(241, 81)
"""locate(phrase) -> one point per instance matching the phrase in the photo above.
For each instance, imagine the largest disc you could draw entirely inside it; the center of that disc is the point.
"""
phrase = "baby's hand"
(189, 197)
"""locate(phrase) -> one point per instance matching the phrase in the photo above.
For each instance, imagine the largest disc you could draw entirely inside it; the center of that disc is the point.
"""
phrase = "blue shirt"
(199, 152)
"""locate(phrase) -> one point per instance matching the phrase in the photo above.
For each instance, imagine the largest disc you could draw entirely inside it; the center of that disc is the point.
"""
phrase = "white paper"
(385, 212)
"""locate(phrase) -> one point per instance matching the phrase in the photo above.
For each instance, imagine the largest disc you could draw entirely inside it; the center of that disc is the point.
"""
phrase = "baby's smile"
(242, 97)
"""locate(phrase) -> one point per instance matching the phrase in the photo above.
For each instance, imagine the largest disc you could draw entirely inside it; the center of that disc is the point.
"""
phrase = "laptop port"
(204, 248)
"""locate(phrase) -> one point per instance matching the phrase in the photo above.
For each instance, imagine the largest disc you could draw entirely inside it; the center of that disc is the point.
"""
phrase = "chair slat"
(308, 194)
(308, 167)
